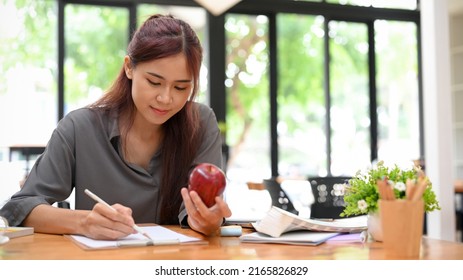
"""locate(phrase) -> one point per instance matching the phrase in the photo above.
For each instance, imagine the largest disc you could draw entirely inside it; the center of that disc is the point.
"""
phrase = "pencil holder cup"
(402, 225)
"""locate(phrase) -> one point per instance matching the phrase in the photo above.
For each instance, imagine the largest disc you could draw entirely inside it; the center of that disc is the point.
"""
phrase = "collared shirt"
(84, 152)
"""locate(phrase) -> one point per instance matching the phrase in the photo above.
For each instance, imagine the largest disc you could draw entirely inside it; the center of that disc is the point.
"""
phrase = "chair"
(279, 197)
(458, 185)
(459, 215)
(329, 197)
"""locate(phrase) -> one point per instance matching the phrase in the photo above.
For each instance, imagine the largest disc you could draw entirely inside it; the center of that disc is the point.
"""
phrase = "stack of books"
(13, 232)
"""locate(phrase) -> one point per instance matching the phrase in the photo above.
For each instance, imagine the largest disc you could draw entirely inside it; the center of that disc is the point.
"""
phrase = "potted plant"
(361, 193)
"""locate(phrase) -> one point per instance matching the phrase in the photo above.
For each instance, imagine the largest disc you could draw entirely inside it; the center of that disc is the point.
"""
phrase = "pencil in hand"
(98, 199)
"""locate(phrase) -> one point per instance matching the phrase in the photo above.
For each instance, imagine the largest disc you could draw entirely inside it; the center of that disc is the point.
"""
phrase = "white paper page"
(157, 233)
(295, 237)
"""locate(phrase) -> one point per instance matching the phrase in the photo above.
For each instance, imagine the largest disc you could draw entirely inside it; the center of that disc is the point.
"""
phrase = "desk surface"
(54, 247)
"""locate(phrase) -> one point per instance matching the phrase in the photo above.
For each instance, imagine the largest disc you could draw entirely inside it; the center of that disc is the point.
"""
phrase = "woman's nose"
(164, 97)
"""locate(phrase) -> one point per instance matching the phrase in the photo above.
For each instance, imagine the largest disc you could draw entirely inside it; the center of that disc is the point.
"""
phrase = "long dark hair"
(163, 36)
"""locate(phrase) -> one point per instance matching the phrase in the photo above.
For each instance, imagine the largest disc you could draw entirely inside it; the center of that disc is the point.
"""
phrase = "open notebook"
(278, 221)
(160, 235)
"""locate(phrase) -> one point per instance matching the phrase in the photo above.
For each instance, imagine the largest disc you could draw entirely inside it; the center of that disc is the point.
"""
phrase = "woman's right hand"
(101, 222)
(105, 223)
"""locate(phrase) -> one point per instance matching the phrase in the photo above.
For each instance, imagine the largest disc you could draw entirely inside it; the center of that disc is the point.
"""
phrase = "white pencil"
(98, 199)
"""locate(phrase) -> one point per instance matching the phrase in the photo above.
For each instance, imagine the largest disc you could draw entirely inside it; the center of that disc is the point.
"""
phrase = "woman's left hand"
(200, 217)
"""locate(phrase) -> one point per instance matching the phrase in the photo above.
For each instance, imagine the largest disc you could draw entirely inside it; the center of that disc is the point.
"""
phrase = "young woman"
(134, 147)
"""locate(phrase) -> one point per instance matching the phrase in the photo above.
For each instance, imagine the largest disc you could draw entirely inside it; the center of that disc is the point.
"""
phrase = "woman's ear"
(128, 67)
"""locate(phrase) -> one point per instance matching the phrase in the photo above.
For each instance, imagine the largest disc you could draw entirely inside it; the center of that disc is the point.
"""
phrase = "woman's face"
(160, 88)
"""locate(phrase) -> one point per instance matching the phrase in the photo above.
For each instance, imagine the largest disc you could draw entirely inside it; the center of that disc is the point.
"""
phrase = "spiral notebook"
(159, 234)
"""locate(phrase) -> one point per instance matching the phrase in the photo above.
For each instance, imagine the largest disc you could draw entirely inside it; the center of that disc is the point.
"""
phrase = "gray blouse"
(83, 152)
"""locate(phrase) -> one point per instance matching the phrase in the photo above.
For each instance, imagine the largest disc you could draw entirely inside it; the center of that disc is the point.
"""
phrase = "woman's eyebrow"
(161, 77)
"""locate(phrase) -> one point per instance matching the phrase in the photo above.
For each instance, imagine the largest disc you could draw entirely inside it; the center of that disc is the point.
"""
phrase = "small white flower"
(362, 205)
(400, 186)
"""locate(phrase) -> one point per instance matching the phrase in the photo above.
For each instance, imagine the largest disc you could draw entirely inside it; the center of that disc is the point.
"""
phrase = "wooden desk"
(57, 247)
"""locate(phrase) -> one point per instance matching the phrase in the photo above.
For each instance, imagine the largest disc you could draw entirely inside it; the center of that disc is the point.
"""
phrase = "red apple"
(208, 181)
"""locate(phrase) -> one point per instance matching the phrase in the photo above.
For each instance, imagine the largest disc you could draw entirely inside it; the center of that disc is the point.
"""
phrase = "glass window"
(397, 94)
(301, 101)
(349, 84)
(247, 97)
(395, 4)
(96, 38)
(28, 85)
(28, 73)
